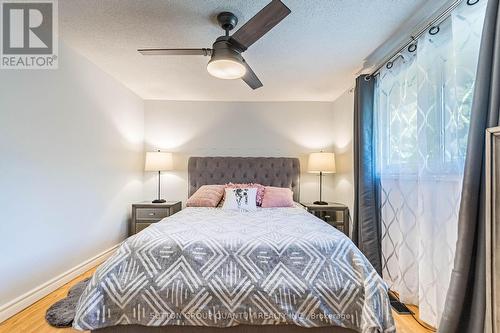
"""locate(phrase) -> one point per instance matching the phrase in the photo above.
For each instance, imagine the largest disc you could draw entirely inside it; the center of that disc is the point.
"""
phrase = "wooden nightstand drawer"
(152, 213)
(146, 213)
(141, 226)
(335, 214)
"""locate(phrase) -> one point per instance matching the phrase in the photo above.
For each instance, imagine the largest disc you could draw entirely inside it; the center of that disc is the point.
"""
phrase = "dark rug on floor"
(62, 313)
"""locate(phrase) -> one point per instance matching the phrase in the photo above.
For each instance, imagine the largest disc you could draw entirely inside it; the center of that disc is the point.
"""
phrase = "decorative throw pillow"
(206, 196)
(260, 190)
(277, 197)
(241, 198)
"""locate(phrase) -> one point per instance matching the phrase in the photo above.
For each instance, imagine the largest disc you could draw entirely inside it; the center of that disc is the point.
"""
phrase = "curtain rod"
(436, 21)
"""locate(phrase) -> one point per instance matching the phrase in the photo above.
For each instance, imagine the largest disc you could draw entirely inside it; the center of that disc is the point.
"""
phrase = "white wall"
(291, 129)
(71, 154)
(343, 182)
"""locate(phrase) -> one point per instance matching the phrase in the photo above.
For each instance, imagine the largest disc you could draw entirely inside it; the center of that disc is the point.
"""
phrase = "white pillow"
(241, 198)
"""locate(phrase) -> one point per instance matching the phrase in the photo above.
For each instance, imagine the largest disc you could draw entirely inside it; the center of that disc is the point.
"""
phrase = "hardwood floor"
(407, 324)
(32, 319)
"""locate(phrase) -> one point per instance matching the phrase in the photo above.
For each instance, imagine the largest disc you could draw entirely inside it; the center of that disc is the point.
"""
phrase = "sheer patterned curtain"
(423, 102)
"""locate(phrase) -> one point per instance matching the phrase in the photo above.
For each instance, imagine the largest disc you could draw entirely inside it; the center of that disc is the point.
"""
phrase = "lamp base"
(320, 203)
(159, 201)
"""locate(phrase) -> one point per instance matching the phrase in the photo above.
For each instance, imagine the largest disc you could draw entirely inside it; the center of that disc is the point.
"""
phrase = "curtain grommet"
(412, 48)
(389, 65)
(368, 78)
(434, 30)
(472, 2)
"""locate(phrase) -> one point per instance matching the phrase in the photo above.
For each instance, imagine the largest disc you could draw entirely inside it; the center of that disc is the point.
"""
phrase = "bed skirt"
(234, 329)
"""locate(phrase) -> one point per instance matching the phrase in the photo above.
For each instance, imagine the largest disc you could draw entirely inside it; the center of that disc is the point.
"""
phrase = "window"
(424, 101)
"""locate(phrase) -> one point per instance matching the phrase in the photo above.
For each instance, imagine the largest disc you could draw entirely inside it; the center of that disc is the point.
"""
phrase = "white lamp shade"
(226, 69)
(158, 161)
(321, 162)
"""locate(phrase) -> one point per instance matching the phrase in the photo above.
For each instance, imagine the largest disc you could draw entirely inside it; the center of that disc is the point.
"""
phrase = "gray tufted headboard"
(268, 171)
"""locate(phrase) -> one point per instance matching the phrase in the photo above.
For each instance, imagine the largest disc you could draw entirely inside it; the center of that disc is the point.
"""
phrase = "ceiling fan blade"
(260, 24)
(251, 78)
(203, 52)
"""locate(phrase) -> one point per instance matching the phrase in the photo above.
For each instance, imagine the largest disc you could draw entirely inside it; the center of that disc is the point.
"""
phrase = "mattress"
(219, 268)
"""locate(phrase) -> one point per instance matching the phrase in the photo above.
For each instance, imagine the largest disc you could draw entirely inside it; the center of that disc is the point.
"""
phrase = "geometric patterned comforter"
(214, 267)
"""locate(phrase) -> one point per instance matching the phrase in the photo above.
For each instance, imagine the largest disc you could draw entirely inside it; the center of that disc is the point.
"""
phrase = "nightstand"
(330, 214)
(146, 213)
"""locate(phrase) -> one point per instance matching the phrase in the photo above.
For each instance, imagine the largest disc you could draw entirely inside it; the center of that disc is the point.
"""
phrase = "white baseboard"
(9, 309)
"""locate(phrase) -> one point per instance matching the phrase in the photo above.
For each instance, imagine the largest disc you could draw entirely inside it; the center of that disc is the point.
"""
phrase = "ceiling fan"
(226, 61)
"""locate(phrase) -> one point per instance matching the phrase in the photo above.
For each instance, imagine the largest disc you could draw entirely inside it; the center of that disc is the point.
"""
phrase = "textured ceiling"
(312, 55)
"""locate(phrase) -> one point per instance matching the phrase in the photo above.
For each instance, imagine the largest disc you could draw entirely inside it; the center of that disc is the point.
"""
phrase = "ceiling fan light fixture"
(226, 61)
(227, 69)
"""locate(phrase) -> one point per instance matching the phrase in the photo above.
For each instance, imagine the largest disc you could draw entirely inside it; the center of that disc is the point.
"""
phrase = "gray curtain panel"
(465, 301)
(366, 219)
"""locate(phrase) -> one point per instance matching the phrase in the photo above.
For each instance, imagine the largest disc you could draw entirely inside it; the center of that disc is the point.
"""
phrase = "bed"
(210, 270)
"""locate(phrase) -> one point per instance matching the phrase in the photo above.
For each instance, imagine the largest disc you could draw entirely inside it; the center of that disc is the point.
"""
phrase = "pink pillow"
(206, 196)
(260, 190)
(277, 197)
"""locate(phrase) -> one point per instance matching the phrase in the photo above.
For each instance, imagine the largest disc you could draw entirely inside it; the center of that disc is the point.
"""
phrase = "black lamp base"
(159, 201)
(320, 203)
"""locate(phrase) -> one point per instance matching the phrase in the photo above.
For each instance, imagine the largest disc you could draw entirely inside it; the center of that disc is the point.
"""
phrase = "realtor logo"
(29, 34)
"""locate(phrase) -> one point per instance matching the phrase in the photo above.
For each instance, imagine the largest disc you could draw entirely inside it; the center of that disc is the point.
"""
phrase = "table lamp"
(158, 161)
(321, 163)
